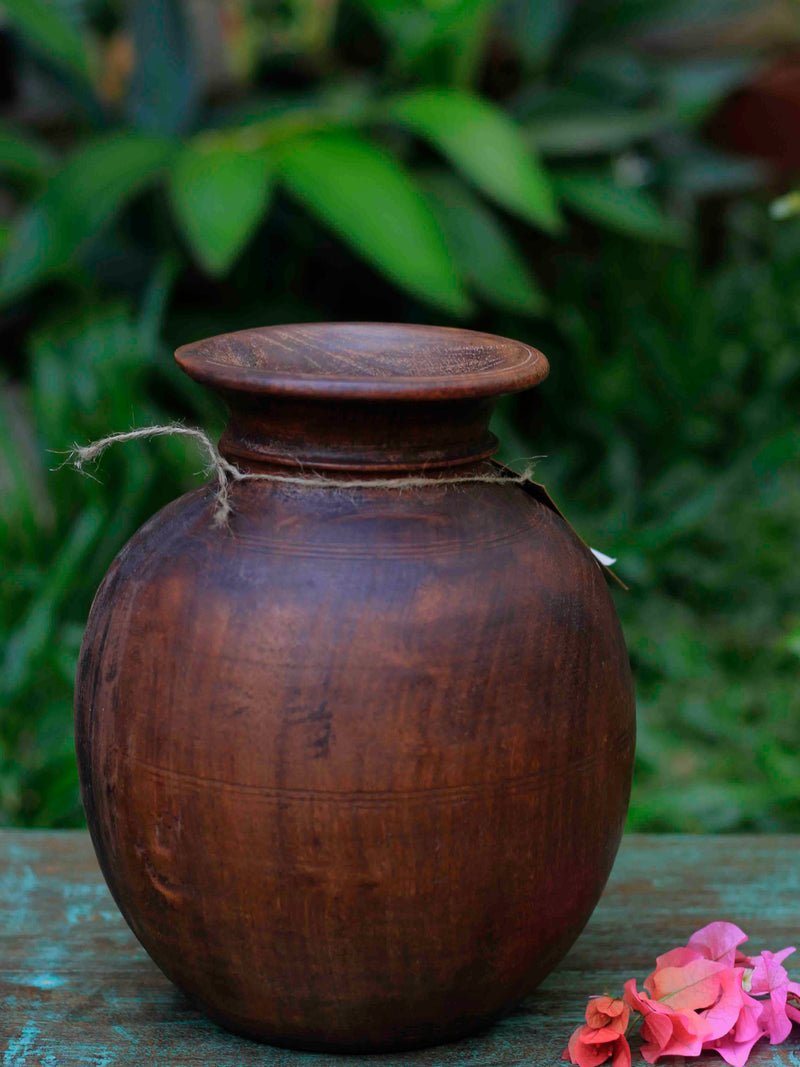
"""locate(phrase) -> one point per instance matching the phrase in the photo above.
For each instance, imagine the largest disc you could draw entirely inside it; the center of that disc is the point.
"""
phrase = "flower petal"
(607, 1011)
(769, 976)
(622, 1053)
(735, 1052)
(723, 1016)
(677, 957)
(586, 1055)
(718, 941)
(687, 988)
(599, 1037)
(749, 1022)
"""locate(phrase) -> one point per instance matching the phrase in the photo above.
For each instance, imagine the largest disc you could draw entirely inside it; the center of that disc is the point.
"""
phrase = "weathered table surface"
(76, 988)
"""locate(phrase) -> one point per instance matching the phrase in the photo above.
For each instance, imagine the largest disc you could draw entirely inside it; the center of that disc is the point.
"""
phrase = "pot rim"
(364, 360)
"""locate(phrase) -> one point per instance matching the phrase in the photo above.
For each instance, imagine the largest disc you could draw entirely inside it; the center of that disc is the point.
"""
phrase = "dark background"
(610, 181)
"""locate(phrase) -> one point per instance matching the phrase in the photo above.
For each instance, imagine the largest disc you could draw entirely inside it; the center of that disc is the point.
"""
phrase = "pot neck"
(357, 435)
(361, 396)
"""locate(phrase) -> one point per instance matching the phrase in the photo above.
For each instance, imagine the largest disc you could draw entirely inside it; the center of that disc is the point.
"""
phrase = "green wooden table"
(76, 988)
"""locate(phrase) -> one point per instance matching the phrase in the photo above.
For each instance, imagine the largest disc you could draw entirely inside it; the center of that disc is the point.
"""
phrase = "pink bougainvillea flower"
(603, 1035)
(611, 1012)
(734, 1052)
(769, 976)
(589, 1047)
(581, 1053)
(719, 941)
(677, 957)
(706, 995)
(736, 1045)
(666, 1031)
(773, 958)
(723, 1016)
(685, 980)
(748, 1025)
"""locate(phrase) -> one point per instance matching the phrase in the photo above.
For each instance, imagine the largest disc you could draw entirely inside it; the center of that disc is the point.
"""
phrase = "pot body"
(356, 766)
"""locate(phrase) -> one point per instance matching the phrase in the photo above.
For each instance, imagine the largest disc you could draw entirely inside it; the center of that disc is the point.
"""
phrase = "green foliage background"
(530, 169)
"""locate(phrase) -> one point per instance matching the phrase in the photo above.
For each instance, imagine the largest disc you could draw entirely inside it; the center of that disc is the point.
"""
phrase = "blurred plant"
(59, 533)
(172, 170)
(532, 107)
(786, 207)
(670, 419)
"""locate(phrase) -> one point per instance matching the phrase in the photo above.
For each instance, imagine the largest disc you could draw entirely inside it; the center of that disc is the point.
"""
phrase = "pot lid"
(364, 360)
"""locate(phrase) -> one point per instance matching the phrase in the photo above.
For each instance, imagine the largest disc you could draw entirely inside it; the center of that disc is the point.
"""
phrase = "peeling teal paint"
(126, 1034)
(77, 912)
(85, 890)
(81, 903)
(16, 887)
(20, 852)
(38, 981)
(16, 1054)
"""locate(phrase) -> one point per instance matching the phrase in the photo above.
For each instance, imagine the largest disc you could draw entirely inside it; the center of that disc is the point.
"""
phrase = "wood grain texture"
(356, 768)
(76, 989)
(356, 764)
(361, 396)
(364, 360)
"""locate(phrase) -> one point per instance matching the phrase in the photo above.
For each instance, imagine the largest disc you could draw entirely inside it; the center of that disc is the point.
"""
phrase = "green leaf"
(408, 27)
(20, 155)
(786, 206)
(703, 171)
(631, 211)
(163, 94)
(695, 87)
(219, 197)
(481, 247)
(537, 27)
(468, 40)
(25, 509)
(30, 639)
(44, 27)
(364, 195)
(416, 29)
(80, 199)
(583, 133)
(651, 19)
(485, 145)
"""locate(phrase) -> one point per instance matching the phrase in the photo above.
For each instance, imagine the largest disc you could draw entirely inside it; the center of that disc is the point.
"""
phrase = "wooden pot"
(356, 764)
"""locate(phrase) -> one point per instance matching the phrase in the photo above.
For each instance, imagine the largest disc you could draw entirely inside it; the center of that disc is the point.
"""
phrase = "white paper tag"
(607, 561)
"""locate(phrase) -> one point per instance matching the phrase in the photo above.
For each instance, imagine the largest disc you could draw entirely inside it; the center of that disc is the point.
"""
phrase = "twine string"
(227, 473)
